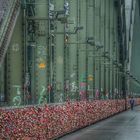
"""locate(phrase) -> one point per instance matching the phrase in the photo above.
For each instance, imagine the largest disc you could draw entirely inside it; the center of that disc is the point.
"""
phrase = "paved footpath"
(124, 126)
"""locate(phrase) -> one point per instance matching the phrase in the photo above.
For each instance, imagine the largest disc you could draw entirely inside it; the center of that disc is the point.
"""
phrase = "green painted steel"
(90, 49)
(14, 67)
(70, 50)
(59, 92)
(71, 82)
(102, 38)
(41, 51)
(36, 52)
(2, 84)
(134, 69)
(82, 66)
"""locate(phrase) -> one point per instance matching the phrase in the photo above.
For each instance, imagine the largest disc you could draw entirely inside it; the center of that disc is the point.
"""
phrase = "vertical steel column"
(14, 66)
(41, 51)
(35, 51)
(82, 52)
(24, 47)
(29, 59)
(107, 95)
(51, 51)
(90, 48)
(111, 48)
(97, 39)
(78, 49)
(59, 94)
(2, 85)
(100, 45)
(87, 47)
(107, 72)
(121, 48)
(116, 52)
(102, 16)
(67, 12)
(72, 46)
(94, 51)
